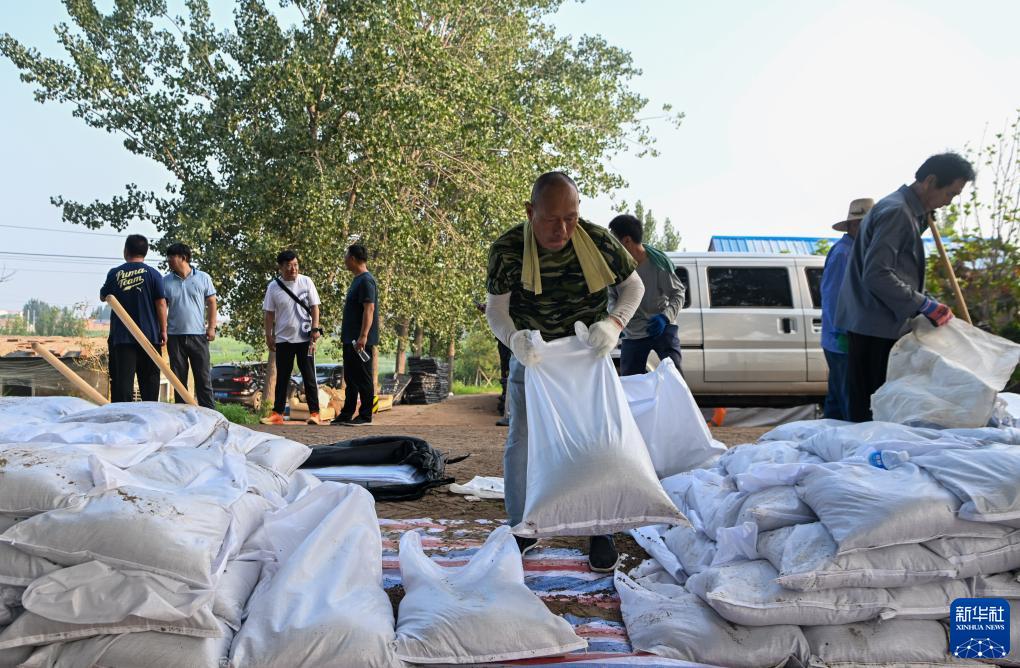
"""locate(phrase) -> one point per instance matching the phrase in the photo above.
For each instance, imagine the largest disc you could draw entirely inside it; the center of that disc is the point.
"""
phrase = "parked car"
(239, 383)
(328, 374)
(751, 328)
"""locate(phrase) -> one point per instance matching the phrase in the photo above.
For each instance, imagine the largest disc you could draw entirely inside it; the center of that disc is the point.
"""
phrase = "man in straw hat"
(834, 339)
(543, 276)
(884, 285)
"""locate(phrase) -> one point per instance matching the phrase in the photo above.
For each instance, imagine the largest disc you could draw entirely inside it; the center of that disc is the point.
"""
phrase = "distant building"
(779, 245)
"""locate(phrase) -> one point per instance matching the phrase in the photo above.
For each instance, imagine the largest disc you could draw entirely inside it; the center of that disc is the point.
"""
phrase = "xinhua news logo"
(979, 628)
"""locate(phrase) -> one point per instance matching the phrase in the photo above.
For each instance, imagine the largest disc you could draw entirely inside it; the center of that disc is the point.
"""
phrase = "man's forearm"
(161, 313)
(268, 323)
(366, 320)
(211, 313)
(315, 317)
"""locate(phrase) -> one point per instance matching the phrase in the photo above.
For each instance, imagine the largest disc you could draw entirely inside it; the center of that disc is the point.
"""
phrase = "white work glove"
(522, 345)
(603, 336)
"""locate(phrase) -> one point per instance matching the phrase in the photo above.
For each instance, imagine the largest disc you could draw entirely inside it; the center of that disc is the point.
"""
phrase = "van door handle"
(816, 325)
(786, 325)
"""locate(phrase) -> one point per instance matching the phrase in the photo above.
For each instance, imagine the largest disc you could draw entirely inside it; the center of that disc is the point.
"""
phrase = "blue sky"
(793, 108)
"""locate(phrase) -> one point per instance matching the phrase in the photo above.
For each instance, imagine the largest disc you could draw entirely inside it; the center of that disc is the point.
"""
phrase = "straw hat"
(858, 209)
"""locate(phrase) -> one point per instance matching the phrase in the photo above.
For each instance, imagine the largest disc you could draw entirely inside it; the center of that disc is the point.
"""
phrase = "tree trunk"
(375, 358)
(402, 328)
(450, 355)
(419, 341)
(269, 389)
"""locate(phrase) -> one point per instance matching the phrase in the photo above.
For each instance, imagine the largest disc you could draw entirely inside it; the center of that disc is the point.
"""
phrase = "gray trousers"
(191, 350)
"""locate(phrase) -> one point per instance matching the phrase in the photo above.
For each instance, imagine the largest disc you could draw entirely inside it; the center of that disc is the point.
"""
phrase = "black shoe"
(503, 422)
(602, 554)
(358, 422)
(341, 419)
(525, 544)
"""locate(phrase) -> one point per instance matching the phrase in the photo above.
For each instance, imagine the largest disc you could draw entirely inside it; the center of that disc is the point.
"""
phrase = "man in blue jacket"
(884, 285)
(834, 343)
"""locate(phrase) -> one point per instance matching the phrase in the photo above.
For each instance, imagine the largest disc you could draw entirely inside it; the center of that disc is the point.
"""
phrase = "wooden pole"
(140, 337)
(91, 393)
(961, 304)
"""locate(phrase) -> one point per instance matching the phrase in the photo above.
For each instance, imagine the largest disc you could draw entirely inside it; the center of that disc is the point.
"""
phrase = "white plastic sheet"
(477, 613)
(670, 622)
(670, 421)
(323, 599)
(395, 474)
(482, 487)
(946, 376)
(984, 478)
(588, 469)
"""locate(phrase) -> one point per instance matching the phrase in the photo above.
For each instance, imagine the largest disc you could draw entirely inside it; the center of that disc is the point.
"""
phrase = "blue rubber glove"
(657, 325)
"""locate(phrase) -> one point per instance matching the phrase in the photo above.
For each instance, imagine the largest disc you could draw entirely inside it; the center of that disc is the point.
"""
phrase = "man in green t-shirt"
(544, 276)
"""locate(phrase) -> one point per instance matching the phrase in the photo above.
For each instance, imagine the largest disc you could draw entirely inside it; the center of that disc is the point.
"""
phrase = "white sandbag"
(96, 593)
(15, 656)
(866, 507)
(744, 458)
(669, 420)
(450, 614)
(482, 487)
(324, 598)
(38, 477)
(896, 642)
(10, 604)
(176, 535)
(857, 441)
(19, 569)
(650, 571)
(927, 601)
(736, 543)
(945, 376)
(31, 629)
(246, 516)
(773, 508)
(146, 649)
(651, 540)
(280, 454)
(801, 430)
(300, 483)
(806, 558)
(980, 556)
(673, 623)
(234, 589)
(711, 501)
(984, 478)
(747, 593)
(39, 409)
(1000, 585)
(588, 469)
(693, 549)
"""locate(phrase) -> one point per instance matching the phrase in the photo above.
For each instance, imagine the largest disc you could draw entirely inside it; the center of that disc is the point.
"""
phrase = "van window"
(814, 281)
(681, 273)
(754, 287)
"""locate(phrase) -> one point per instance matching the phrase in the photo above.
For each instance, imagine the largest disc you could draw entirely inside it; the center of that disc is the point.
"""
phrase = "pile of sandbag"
(824, 533)
(124, 531)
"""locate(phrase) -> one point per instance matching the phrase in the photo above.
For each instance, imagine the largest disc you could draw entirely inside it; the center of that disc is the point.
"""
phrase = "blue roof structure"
(777, 245)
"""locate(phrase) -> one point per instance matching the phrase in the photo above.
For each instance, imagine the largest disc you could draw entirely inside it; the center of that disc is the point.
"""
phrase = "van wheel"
(256, 401)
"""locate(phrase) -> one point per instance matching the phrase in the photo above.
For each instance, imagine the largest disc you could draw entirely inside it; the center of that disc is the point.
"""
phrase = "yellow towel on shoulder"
(597, 274)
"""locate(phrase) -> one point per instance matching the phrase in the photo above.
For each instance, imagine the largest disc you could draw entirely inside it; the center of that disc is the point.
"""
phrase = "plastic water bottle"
(888, 459)
(363, 354)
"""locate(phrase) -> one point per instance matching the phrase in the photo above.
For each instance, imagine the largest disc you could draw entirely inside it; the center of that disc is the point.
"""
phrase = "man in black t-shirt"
(360, 334)
(139, 289)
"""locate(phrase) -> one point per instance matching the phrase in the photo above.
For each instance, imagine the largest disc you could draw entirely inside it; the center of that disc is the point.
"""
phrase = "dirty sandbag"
(480, 612)
(946, 376)
(673, 623)
(589, 471)
(670, 421)
(428, 464)
(900, 642)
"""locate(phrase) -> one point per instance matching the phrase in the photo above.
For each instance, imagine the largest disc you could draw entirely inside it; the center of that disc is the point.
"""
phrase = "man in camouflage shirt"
(561, 298)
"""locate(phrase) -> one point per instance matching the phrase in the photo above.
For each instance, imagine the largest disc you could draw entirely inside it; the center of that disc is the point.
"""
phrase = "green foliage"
(14, 326)
(477, 358)
(666, 240)
(46, 320)
(414, 126)
(237, 413)
(465, 388)
(822, 247)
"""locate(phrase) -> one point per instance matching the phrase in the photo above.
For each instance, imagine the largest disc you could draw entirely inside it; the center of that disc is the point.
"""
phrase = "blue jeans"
(515, 453)
(837, 400)
(634, 352)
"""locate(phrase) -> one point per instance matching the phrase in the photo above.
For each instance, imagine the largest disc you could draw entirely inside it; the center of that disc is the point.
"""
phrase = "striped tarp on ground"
(559, 576)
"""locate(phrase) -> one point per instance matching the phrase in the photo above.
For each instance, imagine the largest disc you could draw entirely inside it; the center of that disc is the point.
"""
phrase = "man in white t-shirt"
(292, 328)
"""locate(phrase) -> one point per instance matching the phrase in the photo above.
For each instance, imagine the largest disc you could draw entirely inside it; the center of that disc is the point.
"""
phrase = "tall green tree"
(413, 126)
(666, 240)
(44, 319)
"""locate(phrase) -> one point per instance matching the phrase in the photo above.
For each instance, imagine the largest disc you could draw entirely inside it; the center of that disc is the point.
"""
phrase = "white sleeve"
(497, 313)
(313, 294)
(267, 303)
(629, 292)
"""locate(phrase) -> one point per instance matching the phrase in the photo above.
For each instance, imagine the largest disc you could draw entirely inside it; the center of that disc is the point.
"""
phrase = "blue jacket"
(832, 281)
(884, 285)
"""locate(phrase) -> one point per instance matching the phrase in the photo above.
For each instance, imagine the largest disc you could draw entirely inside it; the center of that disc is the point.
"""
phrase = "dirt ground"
(461, 425)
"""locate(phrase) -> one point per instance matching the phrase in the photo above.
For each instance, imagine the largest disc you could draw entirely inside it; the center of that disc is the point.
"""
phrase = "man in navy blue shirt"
(360, 334)
(834, 342)
(139, 289)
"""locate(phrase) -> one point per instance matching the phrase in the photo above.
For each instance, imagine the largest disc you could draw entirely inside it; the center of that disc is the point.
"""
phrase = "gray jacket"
(664, 293)
(884, 283)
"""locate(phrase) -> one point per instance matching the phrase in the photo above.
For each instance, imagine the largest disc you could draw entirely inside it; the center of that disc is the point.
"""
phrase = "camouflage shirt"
(564, 299)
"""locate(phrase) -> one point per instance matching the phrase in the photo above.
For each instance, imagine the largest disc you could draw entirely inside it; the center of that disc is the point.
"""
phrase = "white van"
(751, 328)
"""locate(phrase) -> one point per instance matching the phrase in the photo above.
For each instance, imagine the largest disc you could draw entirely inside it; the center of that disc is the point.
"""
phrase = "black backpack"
(388, 450)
